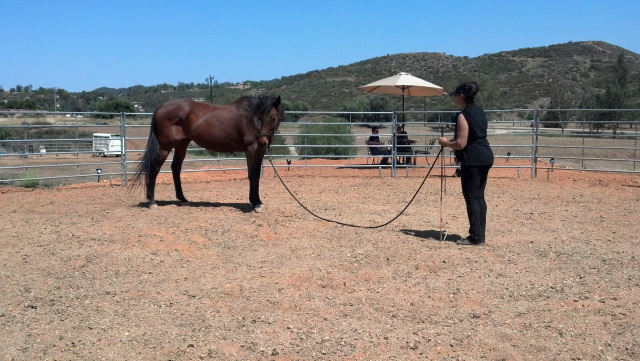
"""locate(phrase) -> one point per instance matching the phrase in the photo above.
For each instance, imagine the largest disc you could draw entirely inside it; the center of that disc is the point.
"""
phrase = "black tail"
(150, 158)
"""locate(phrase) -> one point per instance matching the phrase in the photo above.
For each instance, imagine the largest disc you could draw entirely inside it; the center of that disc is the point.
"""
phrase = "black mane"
(258, 104)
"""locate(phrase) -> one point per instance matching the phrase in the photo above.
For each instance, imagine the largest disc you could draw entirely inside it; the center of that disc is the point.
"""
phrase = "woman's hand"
(443, 141)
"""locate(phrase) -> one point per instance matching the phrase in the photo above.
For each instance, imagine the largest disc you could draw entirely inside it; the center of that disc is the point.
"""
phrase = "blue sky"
(84, 44)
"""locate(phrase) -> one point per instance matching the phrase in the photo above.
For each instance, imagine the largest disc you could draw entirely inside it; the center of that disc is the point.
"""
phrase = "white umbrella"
(404, 83)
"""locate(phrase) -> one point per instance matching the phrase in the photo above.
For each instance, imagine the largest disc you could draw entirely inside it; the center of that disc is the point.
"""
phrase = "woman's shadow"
(431, 235)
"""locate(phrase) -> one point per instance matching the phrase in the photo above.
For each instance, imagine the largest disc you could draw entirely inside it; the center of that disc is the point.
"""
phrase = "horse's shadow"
(243, 207)
(431, 235)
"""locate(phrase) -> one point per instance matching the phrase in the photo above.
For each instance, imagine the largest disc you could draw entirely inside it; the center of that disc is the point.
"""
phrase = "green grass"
(31, 182)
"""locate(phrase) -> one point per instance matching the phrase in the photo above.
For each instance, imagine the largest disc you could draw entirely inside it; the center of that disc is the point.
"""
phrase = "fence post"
(123, 148)
(635, 147)
(394, 124)
(584, 121)
(534, 148)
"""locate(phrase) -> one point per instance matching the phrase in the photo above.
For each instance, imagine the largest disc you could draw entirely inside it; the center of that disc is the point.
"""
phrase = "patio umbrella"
(404, 83)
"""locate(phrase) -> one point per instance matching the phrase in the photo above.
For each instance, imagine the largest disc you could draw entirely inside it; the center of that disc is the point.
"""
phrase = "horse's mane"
(257, 104)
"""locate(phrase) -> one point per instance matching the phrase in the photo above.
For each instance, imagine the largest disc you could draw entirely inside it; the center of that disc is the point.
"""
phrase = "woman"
(475, 156)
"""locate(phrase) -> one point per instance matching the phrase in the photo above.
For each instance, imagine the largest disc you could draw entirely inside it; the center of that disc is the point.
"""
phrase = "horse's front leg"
(254, 165)
(180, 151)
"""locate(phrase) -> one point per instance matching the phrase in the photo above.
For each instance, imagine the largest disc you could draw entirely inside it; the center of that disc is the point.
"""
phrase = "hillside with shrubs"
(590, 74)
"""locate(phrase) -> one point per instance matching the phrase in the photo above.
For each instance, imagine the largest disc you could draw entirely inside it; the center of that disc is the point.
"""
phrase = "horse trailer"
(105, 145)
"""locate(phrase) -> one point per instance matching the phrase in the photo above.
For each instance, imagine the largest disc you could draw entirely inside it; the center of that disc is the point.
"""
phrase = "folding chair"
(371, 155)
(428, 144)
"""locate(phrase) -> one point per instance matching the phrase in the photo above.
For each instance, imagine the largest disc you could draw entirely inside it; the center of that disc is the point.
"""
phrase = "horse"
(248, 124)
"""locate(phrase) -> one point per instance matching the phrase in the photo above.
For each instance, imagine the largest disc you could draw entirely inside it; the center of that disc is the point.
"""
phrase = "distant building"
(241, 86)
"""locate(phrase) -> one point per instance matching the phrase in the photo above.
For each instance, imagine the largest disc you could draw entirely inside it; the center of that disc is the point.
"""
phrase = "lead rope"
(355, 225)
(443, 228)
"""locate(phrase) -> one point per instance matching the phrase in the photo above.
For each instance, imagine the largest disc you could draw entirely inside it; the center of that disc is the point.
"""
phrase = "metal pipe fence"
(54, 148)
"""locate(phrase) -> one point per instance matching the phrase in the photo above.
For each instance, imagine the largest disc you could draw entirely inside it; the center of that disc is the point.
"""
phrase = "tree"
(115, 106)
(24, 104)
(621, 71)
(616, 94)
(294, 106)
(560, 99)
(614, 97)
(358, 105)
(182, 86)
(377, 103)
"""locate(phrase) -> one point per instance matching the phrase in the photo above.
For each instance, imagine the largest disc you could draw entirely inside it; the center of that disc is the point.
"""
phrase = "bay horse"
(248, 124)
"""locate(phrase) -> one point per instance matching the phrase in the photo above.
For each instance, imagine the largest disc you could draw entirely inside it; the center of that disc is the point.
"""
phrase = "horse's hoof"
(153, 206)
(259, 208)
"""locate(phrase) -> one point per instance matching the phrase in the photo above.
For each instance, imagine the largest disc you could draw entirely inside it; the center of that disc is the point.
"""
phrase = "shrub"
(5, 133)
(31, 181)
(331, 133)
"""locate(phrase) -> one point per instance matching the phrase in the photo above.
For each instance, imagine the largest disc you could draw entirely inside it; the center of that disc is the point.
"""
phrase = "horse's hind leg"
(152, 176)
(180, 152)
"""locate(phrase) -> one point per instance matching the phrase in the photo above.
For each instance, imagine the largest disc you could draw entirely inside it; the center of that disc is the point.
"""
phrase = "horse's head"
(269, 115)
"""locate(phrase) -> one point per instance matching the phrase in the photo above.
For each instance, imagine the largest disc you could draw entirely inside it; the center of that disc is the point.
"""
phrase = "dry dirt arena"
(88, 272)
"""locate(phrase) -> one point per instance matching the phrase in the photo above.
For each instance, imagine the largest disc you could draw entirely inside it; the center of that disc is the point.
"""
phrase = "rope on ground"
(355, 225)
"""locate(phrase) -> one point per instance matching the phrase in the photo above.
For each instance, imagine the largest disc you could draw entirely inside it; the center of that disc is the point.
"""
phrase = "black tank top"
(478, 151)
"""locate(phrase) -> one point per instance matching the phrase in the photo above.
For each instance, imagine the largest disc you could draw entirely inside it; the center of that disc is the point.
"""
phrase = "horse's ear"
(277, 102)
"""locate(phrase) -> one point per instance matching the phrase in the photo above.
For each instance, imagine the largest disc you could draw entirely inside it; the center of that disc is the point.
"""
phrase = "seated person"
(374, 139)
(402, 140)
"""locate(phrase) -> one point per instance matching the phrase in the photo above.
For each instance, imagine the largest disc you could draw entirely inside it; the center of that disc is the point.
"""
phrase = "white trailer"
(105, 145)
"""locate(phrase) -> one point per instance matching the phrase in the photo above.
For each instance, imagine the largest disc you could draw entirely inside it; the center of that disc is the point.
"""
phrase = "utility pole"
(55, 99)
(211, 88)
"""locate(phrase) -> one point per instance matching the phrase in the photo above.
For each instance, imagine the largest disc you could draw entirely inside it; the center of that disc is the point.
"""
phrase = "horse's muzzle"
(263, 142)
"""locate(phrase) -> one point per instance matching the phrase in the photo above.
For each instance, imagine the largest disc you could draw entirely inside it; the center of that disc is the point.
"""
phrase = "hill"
(512, 79)
(558, 76)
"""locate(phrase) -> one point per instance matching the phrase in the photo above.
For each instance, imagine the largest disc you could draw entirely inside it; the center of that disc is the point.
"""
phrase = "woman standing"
(475, 156)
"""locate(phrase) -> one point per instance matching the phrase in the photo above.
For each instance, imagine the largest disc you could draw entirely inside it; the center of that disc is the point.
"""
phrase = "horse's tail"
(150, 158)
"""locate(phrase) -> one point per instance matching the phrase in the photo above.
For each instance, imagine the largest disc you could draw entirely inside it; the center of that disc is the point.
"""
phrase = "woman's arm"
(461, 137)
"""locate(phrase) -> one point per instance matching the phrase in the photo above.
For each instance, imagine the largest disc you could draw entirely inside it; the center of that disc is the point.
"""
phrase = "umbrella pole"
(424, 108)
(403, 106)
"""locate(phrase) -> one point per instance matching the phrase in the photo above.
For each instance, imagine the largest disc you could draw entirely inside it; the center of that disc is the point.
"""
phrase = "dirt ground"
(88, 272)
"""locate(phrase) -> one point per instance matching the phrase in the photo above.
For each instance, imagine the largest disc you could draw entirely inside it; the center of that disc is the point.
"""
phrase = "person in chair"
(403, 144)
(374, 140)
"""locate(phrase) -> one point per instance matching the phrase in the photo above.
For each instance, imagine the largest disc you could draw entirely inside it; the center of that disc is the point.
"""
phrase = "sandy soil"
(89, 273)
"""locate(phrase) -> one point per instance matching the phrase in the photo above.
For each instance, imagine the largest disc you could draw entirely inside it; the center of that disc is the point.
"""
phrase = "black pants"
(474, 181)
(385, 153)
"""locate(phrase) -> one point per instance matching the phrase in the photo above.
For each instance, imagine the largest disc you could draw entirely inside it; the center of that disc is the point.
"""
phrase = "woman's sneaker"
(468, 242)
